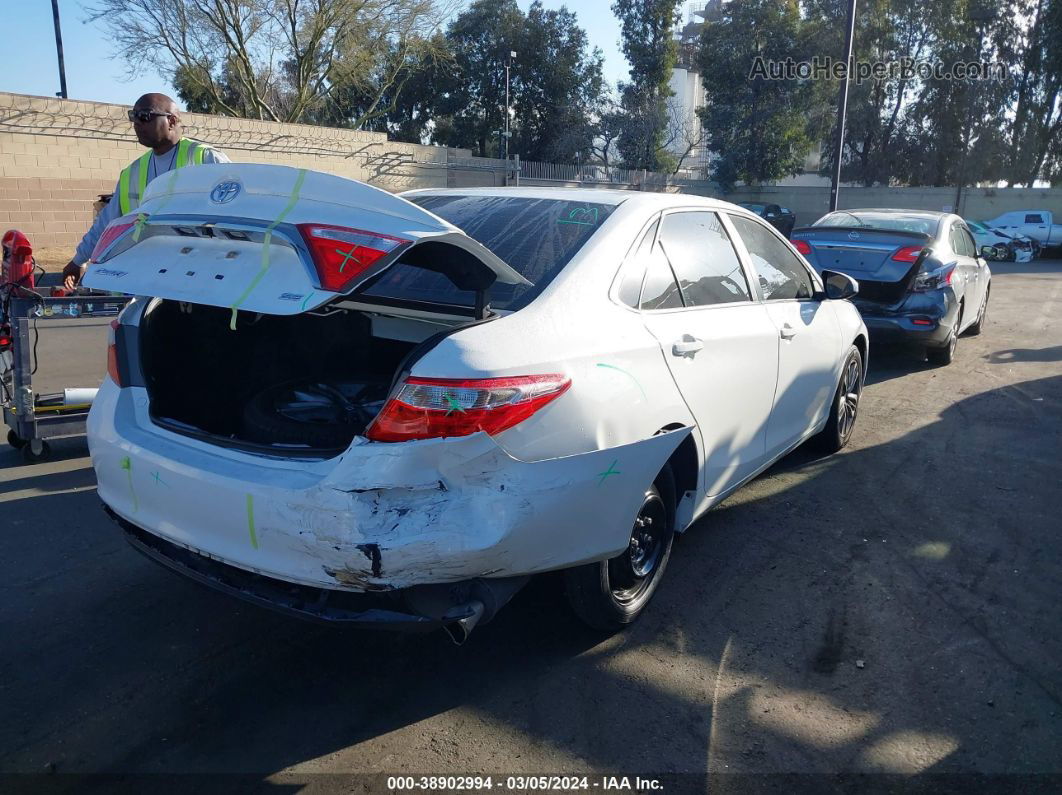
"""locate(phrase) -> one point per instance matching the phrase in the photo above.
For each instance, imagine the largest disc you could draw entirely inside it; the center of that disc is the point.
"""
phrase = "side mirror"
(987, 252)
(839, 285)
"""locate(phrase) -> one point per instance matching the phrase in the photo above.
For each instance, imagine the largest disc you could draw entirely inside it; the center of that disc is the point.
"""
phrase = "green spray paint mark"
(581, 216)
(306, 300)
(158, 479)
(141, 219)
(250, 521)
(127, 465)
(347, 256)
(609, 471)
(454, 405)
(265, 246)
(629, 375)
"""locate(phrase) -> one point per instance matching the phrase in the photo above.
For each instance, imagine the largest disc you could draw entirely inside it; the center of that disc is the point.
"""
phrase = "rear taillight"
(115, 229)
(425, 408)
(907, 254)
(112, 354)
(340, 255)
(931, 280)
(802, 246)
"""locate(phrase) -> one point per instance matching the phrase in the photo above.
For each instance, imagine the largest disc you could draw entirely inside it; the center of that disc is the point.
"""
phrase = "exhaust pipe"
(460, 629)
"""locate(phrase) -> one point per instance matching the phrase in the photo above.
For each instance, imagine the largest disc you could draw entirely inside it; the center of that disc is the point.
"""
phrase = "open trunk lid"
(859, 252)
(247, 236)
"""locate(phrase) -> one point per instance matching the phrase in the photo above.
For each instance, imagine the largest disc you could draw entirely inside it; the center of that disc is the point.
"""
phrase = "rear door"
(719, 343)
(970, 269)
(807, 334)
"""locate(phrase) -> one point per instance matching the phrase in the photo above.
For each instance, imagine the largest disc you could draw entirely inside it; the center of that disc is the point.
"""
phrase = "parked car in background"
(390, 411)
(1038, 224)
(1001, 246)
(921, 279)
(781, 218)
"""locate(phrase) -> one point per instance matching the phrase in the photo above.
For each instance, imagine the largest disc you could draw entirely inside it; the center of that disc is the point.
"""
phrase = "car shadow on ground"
(892, 608)
(1052, 354)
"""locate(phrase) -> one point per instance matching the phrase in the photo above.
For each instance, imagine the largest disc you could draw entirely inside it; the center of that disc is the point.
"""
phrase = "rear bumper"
(379, 517)
(417, 609)
(920, 319)
(902, 330)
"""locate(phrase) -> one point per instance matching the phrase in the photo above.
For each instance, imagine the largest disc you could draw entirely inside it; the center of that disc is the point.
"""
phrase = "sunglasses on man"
(144, 116)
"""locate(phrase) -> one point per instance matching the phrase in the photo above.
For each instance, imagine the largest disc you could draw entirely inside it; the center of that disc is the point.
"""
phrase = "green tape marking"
(127, 465)
(265, 246)
(141, 218)
(629, 375)
(250, 521)
(609, 471)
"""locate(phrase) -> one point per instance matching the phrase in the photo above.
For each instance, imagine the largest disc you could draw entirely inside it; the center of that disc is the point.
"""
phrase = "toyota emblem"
(851, 235)
(224, 192)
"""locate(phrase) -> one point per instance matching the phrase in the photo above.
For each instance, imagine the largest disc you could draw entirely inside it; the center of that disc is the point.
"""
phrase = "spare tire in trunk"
(313, 412)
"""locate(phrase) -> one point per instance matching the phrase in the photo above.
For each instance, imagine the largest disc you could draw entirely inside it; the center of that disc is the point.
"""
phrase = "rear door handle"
(787, 332)
(687, 346)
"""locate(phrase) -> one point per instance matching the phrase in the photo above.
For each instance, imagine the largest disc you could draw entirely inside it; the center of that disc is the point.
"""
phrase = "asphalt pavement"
(891, 609)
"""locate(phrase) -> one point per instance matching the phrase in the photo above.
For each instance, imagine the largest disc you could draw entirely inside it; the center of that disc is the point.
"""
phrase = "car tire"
(845, 407)
(982, 317)
(945, 354)
(609, 595)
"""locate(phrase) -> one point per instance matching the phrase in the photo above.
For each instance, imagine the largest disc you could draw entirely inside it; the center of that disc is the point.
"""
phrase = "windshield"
(537, 237)
(898, 222)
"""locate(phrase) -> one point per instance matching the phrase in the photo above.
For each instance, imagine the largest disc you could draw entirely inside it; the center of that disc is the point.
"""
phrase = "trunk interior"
(308, 382)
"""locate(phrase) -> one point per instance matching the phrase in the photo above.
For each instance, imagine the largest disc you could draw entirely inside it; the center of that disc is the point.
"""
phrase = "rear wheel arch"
(684, 462)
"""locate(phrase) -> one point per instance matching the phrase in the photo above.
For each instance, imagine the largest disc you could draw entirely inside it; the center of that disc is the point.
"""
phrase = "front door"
(720, 344)
(807, 334)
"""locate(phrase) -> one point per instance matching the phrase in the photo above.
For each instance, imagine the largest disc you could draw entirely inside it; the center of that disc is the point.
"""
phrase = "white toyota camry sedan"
(391, 411)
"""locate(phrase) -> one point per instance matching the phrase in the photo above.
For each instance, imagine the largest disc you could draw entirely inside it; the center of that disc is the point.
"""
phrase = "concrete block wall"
(57, 156)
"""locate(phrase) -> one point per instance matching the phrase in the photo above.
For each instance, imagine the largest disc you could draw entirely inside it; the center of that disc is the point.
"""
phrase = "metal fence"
(594, 173)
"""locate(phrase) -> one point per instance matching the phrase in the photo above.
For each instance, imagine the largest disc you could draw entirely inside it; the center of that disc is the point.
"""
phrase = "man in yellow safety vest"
(157, 124)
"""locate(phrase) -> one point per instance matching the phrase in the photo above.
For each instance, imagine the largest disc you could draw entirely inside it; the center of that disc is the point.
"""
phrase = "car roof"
(628, 198)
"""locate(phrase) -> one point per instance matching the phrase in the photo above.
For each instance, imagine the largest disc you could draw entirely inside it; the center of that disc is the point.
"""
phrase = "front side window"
(1034, 219)
(782, 276)
(704, 260)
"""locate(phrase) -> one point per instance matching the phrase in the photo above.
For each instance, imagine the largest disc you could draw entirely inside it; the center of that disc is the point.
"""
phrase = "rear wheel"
(839, 426)
(611, 594)
(944, 355)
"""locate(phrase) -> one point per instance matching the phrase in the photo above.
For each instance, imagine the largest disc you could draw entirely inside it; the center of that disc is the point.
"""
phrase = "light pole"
(508, 65)
(980, 15)
(59, 48)
(842, 106)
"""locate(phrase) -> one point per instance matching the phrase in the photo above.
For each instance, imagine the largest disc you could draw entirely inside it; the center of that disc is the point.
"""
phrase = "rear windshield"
(897, 222)
(537, 237)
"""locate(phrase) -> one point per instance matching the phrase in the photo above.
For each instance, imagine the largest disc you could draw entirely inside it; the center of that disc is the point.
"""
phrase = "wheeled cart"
(32, 418)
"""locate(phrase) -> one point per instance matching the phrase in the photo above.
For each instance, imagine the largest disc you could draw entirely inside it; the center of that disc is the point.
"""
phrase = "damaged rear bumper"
(454, 606)
(378, 518)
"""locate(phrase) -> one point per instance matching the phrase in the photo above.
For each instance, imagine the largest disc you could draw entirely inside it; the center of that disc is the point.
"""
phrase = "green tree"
(647, 29)
(757, 128)
(555, 82)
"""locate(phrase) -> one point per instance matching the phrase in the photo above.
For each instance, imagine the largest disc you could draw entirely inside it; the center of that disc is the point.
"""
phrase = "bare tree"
(276, 59)
(685, 133)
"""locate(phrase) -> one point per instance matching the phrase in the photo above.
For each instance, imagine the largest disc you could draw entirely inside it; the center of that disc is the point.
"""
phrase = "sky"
(30, 65)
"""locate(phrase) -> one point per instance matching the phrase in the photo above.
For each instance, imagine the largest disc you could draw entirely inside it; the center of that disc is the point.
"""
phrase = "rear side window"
(705, 262)
(660, 290)
(631, 278)
(1034, 219)
(537, 237)
(782, 276)
(959, 242)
